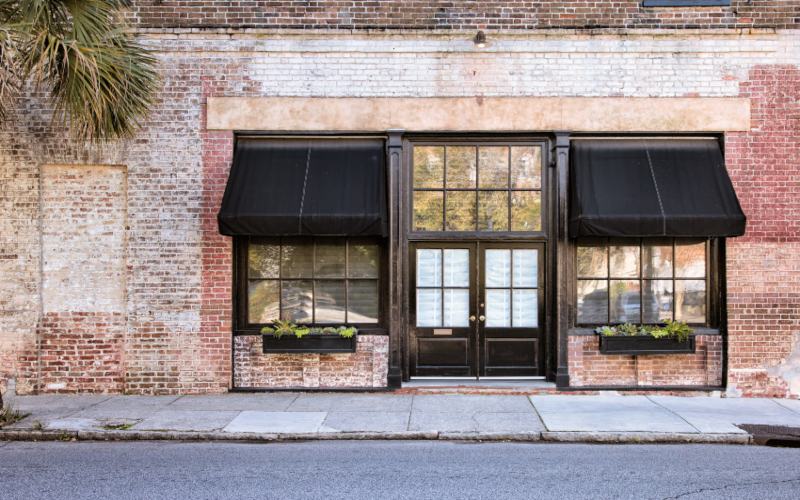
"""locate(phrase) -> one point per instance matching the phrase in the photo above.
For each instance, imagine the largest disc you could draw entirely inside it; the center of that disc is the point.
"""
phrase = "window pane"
(428, 206)
(263, 260)
(297, 260)
(498, 268)
(526, 211)
(656, 301)
(690, 301)
(526, 308)
(263, 301)
(526, 268)
(364, 260)
(429, 267)
(362, 301)
(493, 166)
(461, 211)
(690, 259)
(429, 307)
(456, 307)
(624, 261)
(330, 259)
(498, 308)
(625, 305)
(428, 166)
(526, 163)
(593, 262)
(296, 297)
(461, 167)
(657, 260)
(592, 301)
(456, 267)
(493, 211)
(329, 302)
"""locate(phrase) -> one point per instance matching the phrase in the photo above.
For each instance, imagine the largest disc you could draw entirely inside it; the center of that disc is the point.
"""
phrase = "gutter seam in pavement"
(674, 413)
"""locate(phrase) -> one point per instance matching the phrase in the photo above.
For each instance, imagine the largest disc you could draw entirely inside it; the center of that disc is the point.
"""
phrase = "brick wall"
(464, 15)
(365, 368)
(588, 367)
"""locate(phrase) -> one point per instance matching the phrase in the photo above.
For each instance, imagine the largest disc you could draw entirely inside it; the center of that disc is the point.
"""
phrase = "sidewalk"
(286, 416)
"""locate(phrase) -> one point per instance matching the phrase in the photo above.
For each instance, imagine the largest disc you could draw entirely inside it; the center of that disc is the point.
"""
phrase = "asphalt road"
(391, 469)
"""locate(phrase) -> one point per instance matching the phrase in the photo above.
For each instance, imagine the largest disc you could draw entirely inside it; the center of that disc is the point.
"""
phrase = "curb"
(553, 437)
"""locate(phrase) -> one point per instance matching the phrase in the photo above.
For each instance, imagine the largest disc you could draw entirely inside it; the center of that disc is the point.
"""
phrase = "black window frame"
(713, 278)
(241, 324)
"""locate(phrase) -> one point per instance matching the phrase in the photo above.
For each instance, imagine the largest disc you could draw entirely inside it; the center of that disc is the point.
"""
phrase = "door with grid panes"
(477, 309)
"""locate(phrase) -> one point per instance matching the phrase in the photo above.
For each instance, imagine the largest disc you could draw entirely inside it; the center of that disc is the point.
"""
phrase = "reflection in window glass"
(297, 301)
(460, 213)
(461, 169)
(593, 261)
(297, 261)
(624, 261)
(498, 268)
(456, 307)
(690, 301)
(525, 167)
(456, 267)
(330, 260)
(592, 301)
(493, 167)
(429, 267)
(526, 308)
(657, 260)
(498, 308)
(526, 211)
(429, 307)
(624, 301)
(428, 210)
(263, 299)
(263, 260)
(656, 301)
(363, 260)
(362, 301)
(492, 211)
(690, 260)
(526, 268)
(429, 167)
(329, 301)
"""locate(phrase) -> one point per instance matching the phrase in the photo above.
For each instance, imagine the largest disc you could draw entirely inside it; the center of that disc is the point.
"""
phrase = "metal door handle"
(482, 317)
(472, 318)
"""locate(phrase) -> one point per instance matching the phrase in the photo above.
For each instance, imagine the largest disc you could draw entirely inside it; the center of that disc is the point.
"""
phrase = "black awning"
(650, 187)
(321, 187)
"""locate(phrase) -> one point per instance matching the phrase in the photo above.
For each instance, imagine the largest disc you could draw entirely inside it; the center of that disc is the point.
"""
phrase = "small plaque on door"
(442, 331)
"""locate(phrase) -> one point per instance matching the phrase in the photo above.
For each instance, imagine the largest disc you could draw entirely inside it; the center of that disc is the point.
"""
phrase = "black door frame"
(400, 212)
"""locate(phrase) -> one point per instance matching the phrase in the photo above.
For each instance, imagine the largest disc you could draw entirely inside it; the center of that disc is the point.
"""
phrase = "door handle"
(482, 317)
(472, 318)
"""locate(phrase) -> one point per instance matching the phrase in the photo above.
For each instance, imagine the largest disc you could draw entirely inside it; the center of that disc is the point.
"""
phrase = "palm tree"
(101, 81)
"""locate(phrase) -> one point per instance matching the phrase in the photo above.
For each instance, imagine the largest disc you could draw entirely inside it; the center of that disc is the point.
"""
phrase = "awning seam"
(658, 193)
(303, 195)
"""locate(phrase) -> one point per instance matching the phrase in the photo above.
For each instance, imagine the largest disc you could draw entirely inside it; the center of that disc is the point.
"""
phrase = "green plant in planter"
(606, 331)
(628, 329)
(671, 329)
(347, 331)
(280, 328)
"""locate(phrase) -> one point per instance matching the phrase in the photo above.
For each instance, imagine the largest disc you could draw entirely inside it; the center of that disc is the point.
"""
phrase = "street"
(392, 469)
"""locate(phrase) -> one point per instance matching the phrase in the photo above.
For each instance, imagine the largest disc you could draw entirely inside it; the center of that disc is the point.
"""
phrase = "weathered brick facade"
(114, 277)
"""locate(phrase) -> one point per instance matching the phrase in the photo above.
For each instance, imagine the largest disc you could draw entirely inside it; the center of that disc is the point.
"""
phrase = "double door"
(476, 310)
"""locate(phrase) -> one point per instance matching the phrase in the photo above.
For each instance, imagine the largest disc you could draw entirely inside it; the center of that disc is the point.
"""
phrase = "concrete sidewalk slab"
(721, 415)
(236, 402)
(431, 403)
(352, 402)
(366, 421)
(486, 422)
(607, 414)
(57, 405)
(790, 404)
(276, 422)
(134, 407)
(184, 420)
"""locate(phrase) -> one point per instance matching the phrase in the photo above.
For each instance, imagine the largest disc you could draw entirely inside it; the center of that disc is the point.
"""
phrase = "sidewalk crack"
(68, 415)
(777, 402)
(674, 413)
(538, 415)
(732, 485)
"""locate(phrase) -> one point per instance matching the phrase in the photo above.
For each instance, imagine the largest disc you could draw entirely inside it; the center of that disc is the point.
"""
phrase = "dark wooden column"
(396, 271)
(562, 264)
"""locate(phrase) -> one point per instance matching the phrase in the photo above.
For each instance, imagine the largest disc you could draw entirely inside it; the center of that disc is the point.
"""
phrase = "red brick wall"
(467, 14)
(365, 368)
(588, 367)
(764, 265)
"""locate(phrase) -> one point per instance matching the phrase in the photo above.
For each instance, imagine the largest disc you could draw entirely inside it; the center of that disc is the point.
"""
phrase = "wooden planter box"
(643, 344)
(309, 343)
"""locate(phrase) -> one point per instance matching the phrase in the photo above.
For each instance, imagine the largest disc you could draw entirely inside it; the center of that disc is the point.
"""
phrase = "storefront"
(475, 255)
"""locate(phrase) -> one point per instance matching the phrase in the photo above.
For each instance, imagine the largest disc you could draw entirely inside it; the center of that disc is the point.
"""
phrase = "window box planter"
(325, 343)
(645, 344)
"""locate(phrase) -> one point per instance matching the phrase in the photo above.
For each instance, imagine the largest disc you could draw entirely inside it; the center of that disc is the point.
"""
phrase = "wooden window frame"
(242, 326)
(712, 278)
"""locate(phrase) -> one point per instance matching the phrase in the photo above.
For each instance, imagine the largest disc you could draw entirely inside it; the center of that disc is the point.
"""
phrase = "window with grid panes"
(485, 188)
(321, 281)
(643, 281)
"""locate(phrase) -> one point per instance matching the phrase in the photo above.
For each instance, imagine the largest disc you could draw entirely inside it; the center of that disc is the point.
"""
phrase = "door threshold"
(528, 384)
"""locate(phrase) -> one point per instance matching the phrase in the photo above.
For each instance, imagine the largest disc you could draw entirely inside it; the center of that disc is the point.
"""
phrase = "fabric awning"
(322, 187)
(649, 187)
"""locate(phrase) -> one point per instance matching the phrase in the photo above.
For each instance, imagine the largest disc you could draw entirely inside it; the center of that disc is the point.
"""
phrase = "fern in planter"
(280, 328)
(677, 330)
